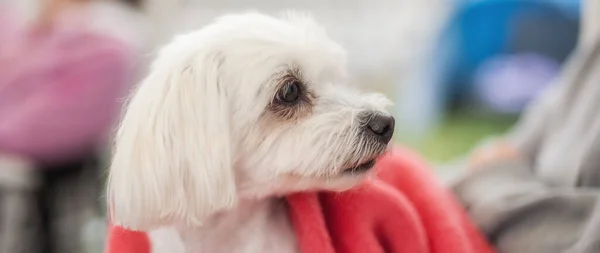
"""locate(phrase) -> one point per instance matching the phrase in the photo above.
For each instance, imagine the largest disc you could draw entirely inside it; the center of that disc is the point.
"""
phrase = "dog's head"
(248, 107)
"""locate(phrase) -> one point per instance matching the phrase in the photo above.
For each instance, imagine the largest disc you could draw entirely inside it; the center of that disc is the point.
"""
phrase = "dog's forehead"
(318, 59)
(294, 40)
(323, 68)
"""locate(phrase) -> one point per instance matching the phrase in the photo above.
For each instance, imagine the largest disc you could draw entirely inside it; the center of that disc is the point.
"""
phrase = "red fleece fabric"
(121, 240)
(404, 209)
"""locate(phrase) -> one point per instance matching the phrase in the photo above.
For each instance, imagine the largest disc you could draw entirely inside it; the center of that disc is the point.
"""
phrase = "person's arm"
(520, 214)
(71, 106)
(515, 207)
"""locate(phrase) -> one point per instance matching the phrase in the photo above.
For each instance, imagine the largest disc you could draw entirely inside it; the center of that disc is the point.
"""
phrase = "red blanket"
(404, 210)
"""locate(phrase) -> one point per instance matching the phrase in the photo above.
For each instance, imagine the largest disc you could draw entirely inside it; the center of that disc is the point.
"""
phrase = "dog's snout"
(381, 126)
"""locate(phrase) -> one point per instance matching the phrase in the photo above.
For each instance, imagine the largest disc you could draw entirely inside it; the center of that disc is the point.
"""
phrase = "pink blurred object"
(61, 86)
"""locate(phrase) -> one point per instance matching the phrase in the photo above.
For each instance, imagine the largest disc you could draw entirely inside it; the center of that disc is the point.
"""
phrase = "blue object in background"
(487, 28)
(478, 31)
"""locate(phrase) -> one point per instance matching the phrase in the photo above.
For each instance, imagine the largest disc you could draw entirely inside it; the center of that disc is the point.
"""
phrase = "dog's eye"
(290, 92)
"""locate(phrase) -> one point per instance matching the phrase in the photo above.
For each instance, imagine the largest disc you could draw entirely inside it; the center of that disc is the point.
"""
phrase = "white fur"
(201, 156)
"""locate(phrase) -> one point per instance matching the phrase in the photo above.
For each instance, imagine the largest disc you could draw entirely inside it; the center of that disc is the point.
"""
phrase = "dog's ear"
(172, 161)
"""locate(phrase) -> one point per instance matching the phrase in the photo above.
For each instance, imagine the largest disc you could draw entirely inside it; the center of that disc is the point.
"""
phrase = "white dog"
(231, 118)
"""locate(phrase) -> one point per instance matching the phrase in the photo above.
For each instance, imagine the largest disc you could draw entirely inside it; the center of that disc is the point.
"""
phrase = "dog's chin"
(360, 168)
(352, 176)
(365, 165)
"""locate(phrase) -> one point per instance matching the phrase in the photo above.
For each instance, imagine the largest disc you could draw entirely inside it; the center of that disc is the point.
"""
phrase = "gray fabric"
(521, 214)
(548, 201)
(46, 210)
(18, 183)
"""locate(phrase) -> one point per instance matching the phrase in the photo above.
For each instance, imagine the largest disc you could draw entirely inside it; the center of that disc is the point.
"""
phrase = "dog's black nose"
(381, 126)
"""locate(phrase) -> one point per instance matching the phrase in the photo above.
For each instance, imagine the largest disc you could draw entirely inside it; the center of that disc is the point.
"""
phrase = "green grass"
(459, 133)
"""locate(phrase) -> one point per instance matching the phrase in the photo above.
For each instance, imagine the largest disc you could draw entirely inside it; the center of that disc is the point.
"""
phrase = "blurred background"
(459, 71)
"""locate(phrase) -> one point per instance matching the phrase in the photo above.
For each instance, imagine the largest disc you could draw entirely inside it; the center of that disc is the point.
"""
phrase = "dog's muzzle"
(378, 129)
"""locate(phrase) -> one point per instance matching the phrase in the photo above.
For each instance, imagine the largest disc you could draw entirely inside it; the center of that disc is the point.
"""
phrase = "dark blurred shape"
(546, 30)
(134, 3)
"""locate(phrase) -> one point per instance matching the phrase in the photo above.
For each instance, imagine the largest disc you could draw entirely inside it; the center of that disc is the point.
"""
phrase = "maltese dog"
(231, 118)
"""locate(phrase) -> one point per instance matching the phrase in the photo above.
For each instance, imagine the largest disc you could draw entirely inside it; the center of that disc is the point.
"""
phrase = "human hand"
(497, 151)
